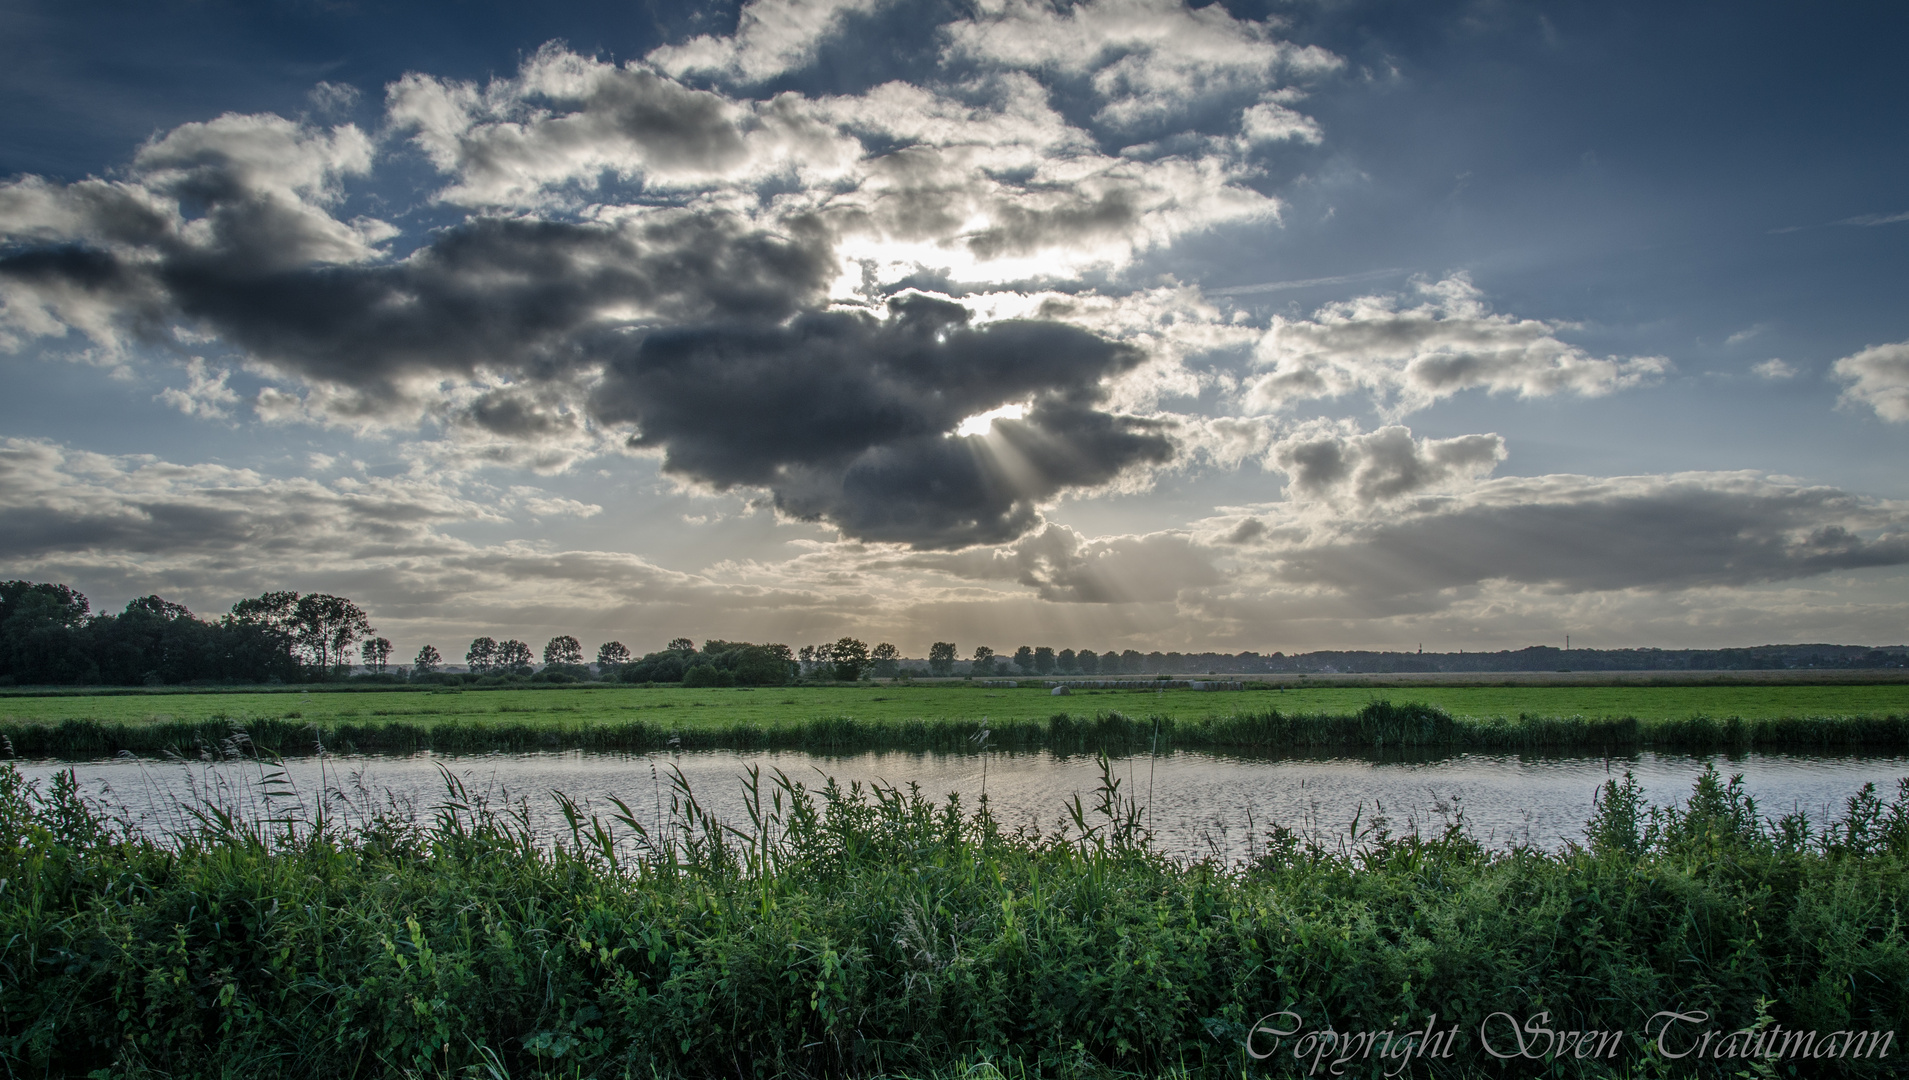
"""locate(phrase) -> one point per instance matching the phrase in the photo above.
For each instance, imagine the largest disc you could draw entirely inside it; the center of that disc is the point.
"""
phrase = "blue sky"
(1301, 324)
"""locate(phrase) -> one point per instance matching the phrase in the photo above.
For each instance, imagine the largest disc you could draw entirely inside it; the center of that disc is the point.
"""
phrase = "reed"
(1379, 726)
(873, 932)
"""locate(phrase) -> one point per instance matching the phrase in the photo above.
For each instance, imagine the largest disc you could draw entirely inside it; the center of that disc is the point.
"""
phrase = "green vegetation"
(874, 932)
(950, 716)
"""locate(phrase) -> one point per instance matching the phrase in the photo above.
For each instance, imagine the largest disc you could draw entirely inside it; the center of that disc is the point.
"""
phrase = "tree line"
(49, 635)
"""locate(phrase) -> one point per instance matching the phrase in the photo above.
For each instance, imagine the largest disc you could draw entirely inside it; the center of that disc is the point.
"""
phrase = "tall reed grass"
(1378, 726)
(871, 931)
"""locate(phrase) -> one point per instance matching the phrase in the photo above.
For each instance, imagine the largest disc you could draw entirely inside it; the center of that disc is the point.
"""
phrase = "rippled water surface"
(1198, 803)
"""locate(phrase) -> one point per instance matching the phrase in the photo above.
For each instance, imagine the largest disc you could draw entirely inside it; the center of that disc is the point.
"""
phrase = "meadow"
(951, 716)
(876, 933)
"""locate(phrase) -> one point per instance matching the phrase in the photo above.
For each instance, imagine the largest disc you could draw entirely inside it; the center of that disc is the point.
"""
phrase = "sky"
(1271, 325)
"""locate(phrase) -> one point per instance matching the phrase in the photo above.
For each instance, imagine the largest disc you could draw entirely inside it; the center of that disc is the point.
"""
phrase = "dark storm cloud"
(848, 418)
(508, 294)
(502, 293)
(951, 491)
(1572, 533)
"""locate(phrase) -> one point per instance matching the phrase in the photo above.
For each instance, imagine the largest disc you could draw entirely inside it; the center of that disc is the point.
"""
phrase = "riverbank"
(1378, 726)
(881, 934)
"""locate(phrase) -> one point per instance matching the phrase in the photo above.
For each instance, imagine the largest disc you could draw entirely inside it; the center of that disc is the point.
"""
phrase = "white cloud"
(1407, 357)
(1879, 378)
(1337, 464)
(1149, 60)
(206, 395)
(1063, 566)
(1774, 370)
(542, 504)
(772, 37)
(1876, 219)
(1271, 121)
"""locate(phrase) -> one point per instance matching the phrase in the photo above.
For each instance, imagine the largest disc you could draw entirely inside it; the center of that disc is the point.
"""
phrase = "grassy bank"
(1377, 726)
(886, 702)
(839, 934)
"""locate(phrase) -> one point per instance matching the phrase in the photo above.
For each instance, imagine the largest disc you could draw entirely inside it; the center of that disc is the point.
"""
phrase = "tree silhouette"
(941, 657)
(482, 656)
(850, 658)
(612, 654)
(376, 652)
(515, 656)
(563, 650)
(427, 660)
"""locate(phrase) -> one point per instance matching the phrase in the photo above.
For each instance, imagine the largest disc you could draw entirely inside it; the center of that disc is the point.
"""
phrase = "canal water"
(1198, 804)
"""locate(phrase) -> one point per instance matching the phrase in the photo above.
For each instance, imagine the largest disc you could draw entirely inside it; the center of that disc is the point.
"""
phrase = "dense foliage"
(718, 663)
(48, 635)
(855, 932)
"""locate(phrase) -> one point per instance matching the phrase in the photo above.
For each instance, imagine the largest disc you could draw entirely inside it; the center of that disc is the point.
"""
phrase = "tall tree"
(376, 652)
(887, 660)
(941, 658)
(277, 610)
(1087, 661)
(322, 628)
(681, 645)
(41, 633)
(1024, 659)
(1043, 660)
(563, 649)
(983, 660)
(612, 654)
(427, 660)
(514, 656)
(1066, 662)
(482, 656)
(850, 658)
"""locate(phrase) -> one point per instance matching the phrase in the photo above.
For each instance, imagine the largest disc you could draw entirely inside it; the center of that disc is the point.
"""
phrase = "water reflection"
(1198, 803)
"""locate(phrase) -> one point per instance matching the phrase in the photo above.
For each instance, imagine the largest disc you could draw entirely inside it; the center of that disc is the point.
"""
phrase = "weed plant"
(871, 931)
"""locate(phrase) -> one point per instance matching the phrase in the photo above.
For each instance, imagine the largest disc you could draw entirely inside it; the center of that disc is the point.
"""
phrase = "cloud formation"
(1575, 533)
(635, 243)
(850, 418)
(1879, 378)
(796, 289)
(1408, 357)
(1338, 464)
(1063, 566)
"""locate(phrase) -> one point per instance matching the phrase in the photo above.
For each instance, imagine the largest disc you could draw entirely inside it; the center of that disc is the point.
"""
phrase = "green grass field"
(773, 708)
